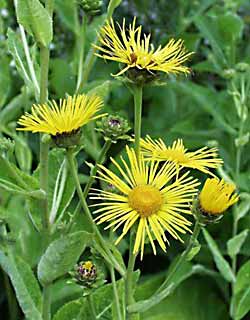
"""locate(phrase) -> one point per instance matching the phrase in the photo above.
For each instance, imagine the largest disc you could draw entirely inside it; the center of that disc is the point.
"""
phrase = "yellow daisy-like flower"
(202, 159)
(148, 196)
(134, 49)
(69, 116)
(217, 196)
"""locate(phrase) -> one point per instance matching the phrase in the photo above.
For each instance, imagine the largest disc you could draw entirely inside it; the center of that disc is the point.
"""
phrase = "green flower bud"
(85, 273)
(228, 73)
(242, 67)
(7, 145)
(113, 127)
(91, 7)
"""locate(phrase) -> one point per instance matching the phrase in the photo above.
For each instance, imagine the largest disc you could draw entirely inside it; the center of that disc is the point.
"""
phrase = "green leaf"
(102, 90)
(25, 285)
(9, 172)
(61, 255)
(234, 244)
(16, 50)
(194, 251)
(230, 26)
(222, 265)
(66, 11)
(243, 208)
(192, 295)
(240, 304)
(113, 4)
(71, 310)
(5, 80)
(209, 31)
(35, 19)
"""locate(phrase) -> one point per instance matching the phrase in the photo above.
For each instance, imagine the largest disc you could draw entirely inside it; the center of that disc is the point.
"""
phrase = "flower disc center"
(146, 200)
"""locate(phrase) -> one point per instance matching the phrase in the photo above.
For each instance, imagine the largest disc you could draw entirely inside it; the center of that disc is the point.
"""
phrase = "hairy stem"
(137, 91)
(183, 257)
(111, 259)
(91, 179)
(116, 295)
(91, 306)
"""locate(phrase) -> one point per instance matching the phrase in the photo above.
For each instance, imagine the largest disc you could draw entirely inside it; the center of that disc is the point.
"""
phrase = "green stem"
(91, 180)
(137, 91)
(108, 254)
(183, 257)
(46, 302)
(91, 306)
(116, 296)
(81, 41)
(234, 233)
(129, 290)
(44, 155)
(129, 297)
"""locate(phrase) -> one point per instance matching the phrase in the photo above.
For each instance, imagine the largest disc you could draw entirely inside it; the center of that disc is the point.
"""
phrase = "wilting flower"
(63, 120)
(148, 198)
(134, 50)
(202, 159)
(217, 196)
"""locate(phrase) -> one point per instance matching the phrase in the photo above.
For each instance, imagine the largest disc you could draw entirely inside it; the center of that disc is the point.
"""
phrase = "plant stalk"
(116, 296)
(183, 257)
(129, 290)
(137, 92)
(91, 179)
(85, 208)
(91, 306)
(46, 302)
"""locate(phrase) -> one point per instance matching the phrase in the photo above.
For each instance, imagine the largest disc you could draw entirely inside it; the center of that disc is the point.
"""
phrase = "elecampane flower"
(149, 196)
(217, 196)
(134, 50)
(202, 159)
(70, 115)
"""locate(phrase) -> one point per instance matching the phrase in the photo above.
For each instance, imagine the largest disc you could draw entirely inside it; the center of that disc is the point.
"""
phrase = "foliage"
(210, 107)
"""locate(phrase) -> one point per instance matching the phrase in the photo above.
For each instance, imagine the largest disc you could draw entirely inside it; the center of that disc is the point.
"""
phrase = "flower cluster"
(151, 192)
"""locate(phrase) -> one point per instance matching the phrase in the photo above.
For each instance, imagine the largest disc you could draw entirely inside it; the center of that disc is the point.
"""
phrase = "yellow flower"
(132, 48)
(217, 196)
(202, 159)
(147, 196)
(71, 114)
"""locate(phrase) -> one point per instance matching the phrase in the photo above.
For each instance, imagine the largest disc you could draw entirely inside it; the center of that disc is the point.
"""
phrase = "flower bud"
(242, 67)
(113, 127)
(85, 273)
(214, 199)
(91, 7)
(228, 73)
(7, 146)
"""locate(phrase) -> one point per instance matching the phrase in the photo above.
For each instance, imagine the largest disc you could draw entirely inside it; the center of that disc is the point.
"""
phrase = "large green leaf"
(222, 265)
(190, 301)
(61, 255)
(240, 304)
(35, 19)
(25, 285)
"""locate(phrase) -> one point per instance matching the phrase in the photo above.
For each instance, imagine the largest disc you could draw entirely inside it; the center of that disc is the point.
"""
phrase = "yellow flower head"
(202, 159)
(132, 48)
(150, 196)
(217, 196)
(71, 114)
